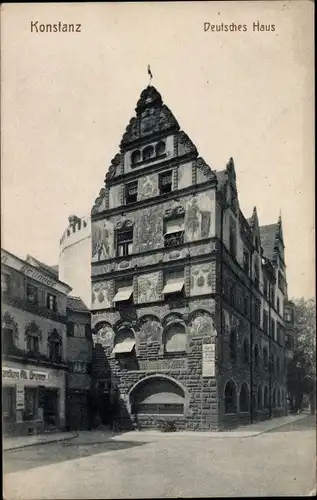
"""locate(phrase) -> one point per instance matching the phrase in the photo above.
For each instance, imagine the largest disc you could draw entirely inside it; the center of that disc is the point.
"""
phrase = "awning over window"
(125, 346)
(173, 287)
(172, 226)
(123, 294)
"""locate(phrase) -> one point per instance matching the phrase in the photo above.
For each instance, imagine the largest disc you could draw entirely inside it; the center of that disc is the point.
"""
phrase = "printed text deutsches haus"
(233, 27)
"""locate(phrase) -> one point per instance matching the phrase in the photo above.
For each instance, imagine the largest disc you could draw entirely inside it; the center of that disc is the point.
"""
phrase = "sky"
(67, 98)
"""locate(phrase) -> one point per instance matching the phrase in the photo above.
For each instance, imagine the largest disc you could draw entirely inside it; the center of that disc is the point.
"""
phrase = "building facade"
(79, 352)
(187, 294)
(33, 346)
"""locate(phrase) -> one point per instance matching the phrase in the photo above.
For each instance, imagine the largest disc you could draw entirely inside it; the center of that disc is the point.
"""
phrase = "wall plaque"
(208, 360)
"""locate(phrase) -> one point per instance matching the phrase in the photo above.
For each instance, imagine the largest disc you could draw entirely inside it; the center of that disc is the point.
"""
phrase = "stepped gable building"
(187, 294)
(34, 357)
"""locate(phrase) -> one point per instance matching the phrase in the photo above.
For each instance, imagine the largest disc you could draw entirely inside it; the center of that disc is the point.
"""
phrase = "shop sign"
(18, 374)
(208, 360)
(19, 398)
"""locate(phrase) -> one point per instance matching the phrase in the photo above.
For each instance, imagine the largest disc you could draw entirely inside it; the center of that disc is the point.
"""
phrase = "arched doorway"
(157, 396)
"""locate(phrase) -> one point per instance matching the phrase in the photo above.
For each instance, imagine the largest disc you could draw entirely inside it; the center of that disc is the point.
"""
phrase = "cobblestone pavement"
(279, 462)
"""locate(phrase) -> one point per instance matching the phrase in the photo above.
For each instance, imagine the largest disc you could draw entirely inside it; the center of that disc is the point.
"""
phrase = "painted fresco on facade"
(203, 325)
(148, 287)
(199, 218)
(102, 240)
(149, 229)
(100, 296)
(201, 279)
(115, 196)
(151, 331)
(184, 175)
(148, 187)
(103, 336)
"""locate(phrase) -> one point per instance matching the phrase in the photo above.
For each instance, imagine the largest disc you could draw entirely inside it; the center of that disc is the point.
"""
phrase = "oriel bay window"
(174, 232)
(174, 282)
(124, 242)
(165, 182)
(131, 192)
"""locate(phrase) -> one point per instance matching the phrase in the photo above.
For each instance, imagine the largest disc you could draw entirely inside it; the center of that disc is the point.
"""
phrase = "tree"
(302, 368)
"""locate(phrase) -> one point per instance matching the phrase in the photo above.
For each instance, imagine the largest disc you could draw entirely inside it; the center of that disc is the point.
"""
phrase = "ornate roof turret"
(149, 98)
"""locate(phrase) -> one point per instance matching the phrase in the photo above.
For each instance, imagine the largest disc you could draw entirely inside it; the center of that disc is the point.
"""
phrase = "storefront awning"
(173, 226)
(123, 294)
(124, 347)
(173, 287)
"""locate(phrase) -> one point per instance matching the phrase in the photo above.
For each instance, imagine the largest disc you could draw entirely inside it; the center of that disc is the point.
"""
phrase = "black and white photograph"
(158, 250)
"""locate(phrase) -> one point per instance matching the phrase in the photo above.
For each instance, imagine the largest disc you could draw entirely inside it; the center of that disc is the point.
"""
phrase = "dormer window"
(165, 182)
(174, 232)
(135, 157)
(160, 148)
(131, 193)
(147, 153)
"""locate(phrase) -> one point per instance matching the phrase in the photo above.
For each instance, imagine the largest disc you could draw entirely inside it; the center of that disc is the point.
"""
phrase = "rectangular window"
(256, 274)
(174, 232)
(55, 351)
(288, 317)
(265, 322)
(124, 242)
(70, 329)
(30, 403)
(165, 182)
(51, 302)
(31, 294)
(273, 331)
(131, 192)
(265, 287)
(32, 343)
(79, 367)
(232, 238)
(80, 330)
(257, 312)
(174, 282)
(278, 305)
(5, 283)
(246, 262)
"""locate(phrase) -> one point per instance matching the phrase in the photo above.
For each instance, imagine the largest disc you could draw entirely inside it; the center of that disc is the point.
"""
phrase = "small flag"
(149, 71)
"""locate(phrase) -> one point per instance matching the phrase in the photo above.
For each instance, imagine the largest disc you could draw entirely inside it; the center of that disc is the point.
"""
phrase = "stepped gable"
(152, 117)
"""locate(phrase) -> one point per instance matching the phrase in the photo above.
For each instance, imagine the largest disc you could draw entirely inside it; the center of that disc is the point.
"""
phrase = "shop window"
(230, 397)
(246, 351)
(266, 397)
(8, 403)
(233, 345)
(256, 355)
(244, 401)
(30, 403)
(51, 302)
(174, 282)
(160, 148)
(135, 157)
(174, 232)
(131, 192)
(246, 262)
(31, 294)
(259, 398)
(175, 338)
(124, 291)
(124, 242)
(147, 153)
(165, 182)
(5, 283)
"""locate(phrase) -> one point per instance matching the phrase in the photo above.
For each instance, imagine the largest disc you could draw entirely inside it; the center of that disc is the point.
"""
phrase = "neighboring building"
(75, 257)
(79, 349)
(33, 346)
(187, 294)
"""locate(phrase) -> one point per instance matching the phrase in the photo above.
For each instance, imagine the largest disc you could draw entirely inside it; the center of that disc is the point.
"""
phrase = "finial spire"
(149, 73)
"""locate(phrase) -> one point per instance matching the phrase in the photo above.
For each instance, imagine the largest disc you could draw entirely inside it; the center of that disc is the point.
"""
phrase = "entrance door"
(51, 409)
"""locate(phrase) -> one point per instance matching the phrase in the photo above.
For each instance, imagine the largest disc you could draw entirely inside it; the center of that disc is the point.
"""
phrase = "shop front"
(33, 399)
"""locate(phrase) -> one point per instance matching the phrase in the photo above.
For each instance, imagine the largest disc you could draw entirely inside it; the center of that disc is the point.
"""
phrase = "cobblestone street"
(139, 465)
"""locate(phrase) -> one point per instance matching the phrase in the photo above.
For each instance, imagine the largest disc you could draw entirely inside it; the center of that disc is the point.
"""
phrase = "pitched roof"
(267, 234)
(53, 270)
(76, 304)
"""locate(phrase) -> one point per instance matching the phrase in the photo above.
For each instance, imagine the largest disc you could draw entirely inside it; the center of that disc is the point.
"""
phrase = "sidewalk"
(11, 443)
